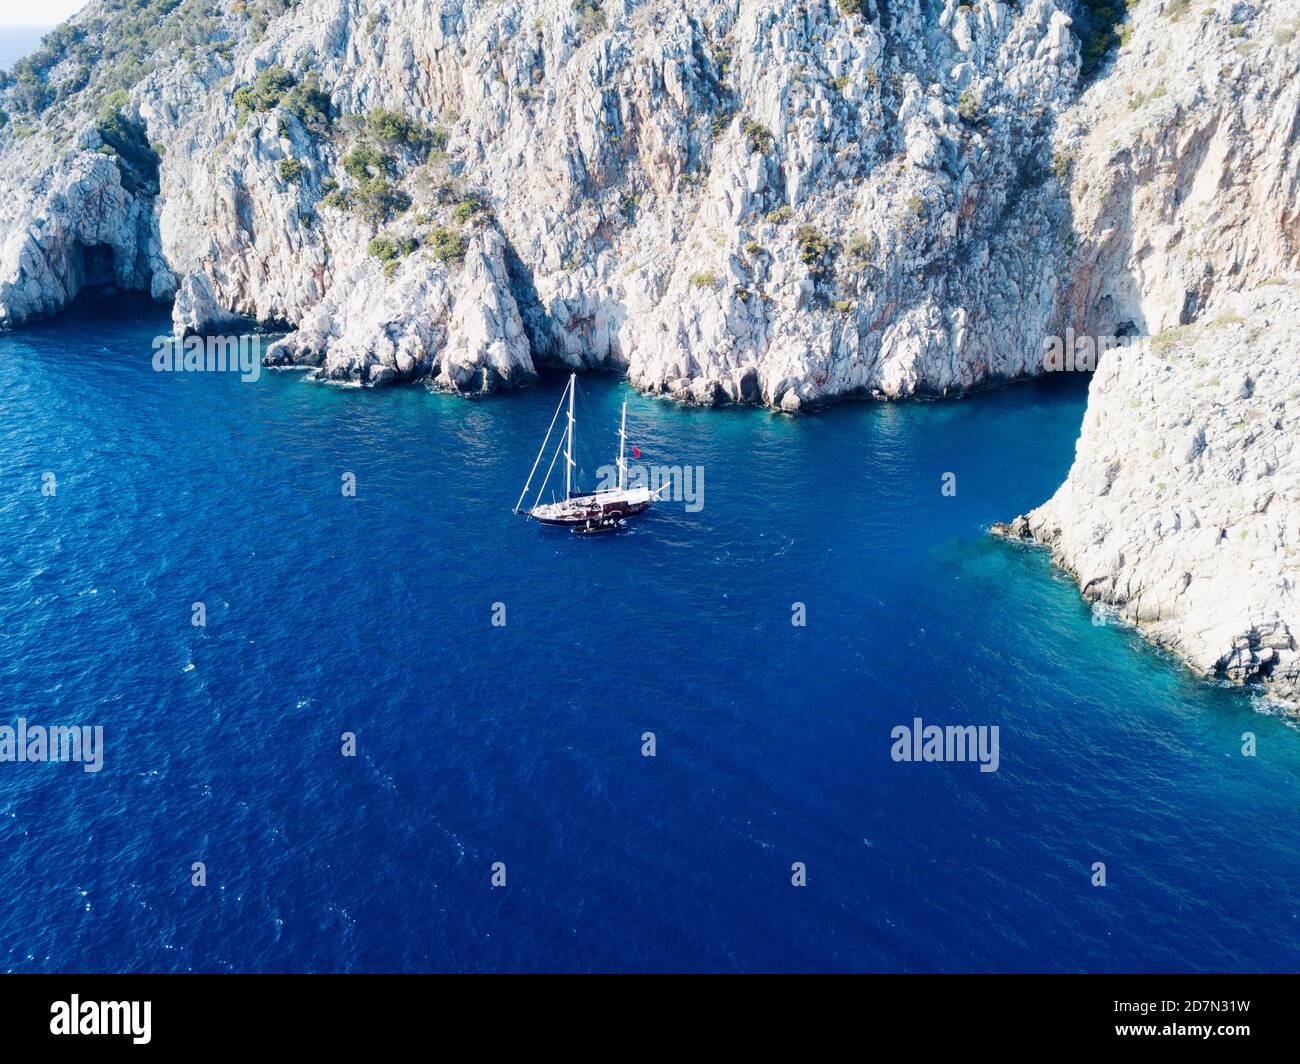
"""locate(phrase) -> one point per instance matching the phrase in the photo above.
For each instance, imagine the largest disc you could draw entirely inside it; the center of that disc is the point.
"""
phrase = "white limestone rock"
(1182, 508)
(621, 156)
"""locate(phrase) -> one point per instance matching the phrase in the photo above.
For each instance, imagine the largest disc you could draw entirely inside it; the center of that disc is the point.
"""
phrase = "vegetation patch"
(1105, 30)
(364, 162)
(390, 251)
(449, 246)
(263, 95)
(395, 129)
(470, 207)
(757, 135)
(862, 249)
(1062, 163)
(1169, 338)
(127, 141)
(1141, 99)
(377, 200)
(591, 19)
(118, 42)
(814, 247)
(970, 107)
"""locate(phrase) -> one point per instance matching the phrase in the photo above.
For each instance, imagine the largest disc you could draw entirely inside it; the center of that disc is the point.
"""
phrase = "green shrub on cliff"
(364, 162)
(758, 135)
(471, 205)
(814, 246)
(136, 158)
(264, 94)
(309, 103)
(862, 248)
(377, 200)
(1106, 30)
(449, 246)
(393, 127)
(591, 19)
(391, 252)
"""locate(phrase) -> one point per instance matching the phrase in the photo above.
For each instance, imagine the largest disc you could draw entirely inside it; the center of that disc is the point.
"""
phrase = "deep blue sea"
(522, 744)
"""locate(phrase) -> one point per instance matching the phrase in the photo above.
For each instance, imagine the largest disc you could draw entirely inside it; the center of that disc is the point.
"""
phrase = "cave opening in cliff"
(94, 268)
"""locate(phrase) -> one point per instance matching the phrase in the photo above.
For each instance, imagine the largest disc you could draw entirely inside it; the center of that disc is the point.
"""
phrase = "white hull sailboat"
(597, 511)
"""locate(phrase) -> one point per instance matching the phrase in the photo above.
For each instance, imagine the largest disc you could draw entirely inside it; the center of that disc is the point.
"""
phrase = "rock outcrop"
(1182, 508)
(776, 201)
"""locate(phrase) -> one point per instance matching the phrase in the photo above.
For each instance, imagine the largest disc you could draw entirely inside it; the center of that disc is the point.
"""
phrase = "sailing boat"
(598, 511)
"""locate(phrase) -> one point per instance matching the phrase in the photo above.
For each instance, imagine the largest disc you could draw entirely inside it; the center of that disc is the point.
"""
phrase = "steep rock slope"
(1182, 508)
(1183, 164)
(779, 201)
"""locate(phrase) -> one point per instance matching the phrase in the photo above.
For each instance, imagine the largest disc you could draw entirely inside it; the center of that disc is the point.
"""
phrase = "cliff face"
(768, 201)
(1184, 172)
(1182, 508)
(776, 201)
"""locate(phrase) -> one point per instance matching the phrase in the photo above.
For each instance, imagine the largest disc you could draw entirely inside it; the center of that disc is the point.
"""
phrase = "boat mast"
(542, 450)
(622, 444)
(568, 443)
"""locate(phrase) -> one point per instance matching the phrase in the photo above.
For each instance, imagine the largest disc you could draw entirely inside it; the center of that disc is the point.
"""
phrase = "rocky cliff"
(760, 201)
(777, 201)
(1182, 508)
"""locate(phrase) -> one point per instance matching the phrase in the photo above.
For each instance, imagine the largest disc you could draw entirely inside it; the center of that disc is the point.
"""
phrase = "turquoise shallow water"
(522, 744)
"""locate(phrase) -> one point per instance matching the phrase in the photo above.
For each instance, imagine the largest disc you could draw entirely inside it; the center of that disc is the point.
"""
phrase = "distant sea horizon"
(18, 41)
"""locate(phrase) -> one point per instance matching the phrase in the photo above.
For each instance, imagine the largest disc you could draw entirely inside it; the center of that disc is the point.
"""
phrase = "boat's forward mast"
(568, 440)
(568, 450)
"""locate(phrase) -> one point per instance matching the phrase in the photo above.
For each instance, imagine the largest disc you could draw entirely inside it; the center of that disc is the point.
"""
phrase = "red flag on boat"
(636, 451)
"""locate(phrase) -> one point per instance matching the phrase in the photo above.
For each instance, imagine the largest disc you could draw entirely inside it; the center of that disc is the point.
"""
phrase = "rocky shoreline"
(1182, 508)
(773, 202)
(756, 201)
